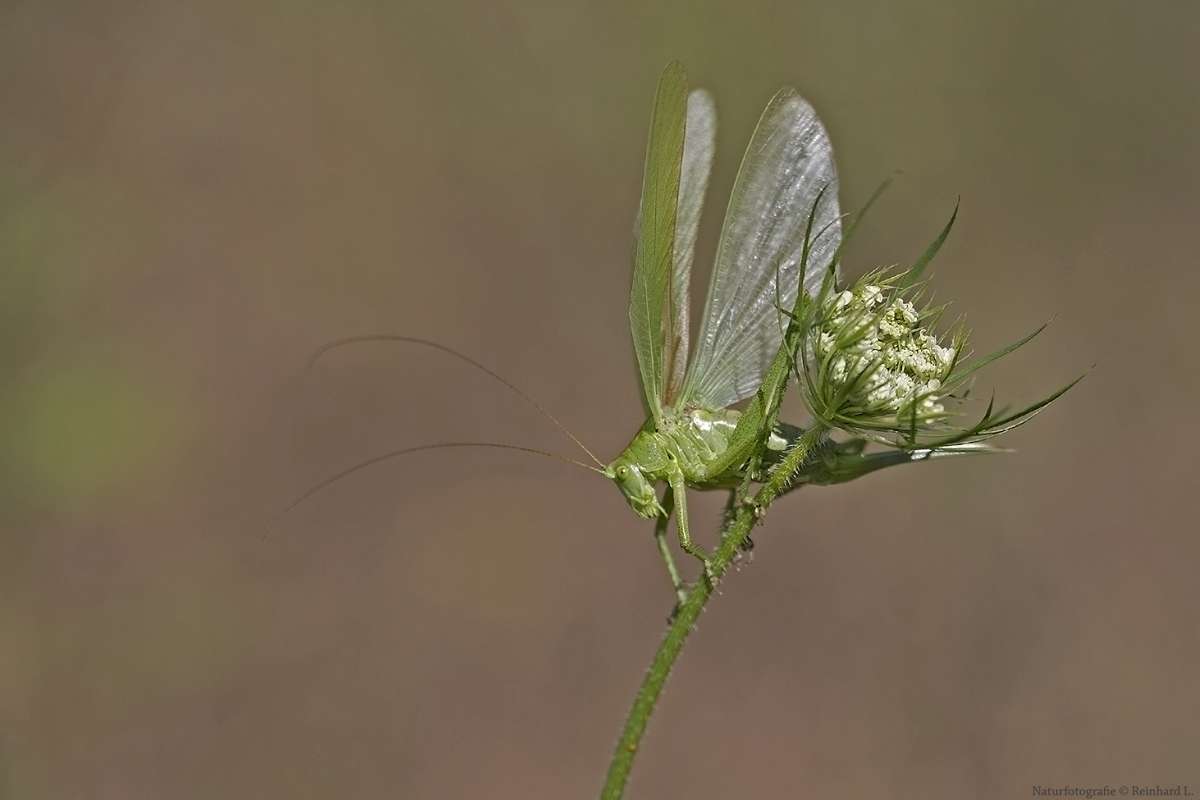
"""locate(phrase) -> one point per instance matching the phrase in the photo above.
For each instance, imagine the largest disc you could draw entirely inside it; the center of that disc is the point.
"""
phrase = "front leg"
(660, 539)
(679, 493)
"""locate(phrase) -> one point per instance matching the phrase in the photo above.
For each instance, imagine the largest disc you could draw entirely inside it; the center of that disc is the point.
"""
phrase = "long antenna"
(389, 337)
(370, 462)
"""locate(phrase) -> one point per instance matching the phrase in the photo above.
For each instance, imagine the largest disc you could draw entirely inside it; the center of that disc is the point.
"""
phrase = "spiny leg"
(679, 492)
(731, 507)
(772, 456)
(660, 538)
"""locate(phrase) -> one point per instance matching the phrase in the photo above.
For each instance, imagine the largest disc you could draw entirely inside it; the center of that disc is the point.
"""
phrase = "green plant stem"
(734, 536)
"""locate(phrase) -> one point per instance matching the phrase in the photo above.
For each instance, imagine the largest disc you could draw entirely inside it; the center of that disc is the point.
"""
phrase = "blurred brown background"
(193, 196)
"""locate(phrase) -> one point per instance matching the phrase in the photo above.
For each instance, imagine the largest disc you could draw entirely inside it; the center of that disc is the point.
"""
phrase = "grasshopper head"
(638, 490)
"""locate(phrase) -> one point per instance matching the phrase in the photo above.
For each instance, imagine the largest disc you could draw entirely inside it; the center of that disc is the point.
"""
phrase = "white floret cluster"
(865, 331)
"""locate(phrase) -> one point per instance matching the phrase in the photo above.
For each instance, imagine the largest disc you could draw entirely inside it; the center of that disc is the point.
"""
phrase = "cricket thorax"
(686, 441)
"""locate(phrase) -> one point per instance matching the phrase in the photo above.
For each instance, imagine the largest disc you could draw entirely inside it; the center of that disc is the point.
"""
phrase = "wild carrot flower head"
(879, 358)
(874, 365)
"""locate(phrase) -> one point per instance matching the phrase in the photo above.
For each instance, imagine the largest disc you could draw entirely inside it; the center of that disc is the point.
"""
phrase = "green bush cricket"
(786, 189)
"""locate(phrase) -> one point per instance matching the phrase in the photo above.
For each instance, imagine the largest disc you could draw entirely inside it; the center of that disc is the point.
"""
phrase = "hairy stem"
(734, 536)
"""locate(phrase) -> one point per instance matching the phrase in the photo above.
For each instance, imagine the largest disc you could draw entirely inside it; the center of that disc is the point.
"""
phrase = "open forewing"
(698, 147)
(650, 298)
(787, 167)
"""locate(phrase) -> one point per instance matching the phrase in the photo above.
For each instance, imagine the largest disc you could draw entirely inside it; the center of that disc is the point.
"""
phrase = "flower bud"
(874, 358)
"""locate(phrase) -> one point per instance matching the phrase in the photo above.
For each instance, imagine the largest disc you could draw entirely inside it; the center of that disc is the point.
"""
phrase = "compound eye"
(622, 471)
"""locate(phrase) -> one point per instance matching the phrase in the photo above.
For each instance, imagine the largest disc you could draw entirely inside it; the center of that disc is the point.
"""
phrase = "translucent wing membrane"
(787, 166)
(698, 146)
(650, 299)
